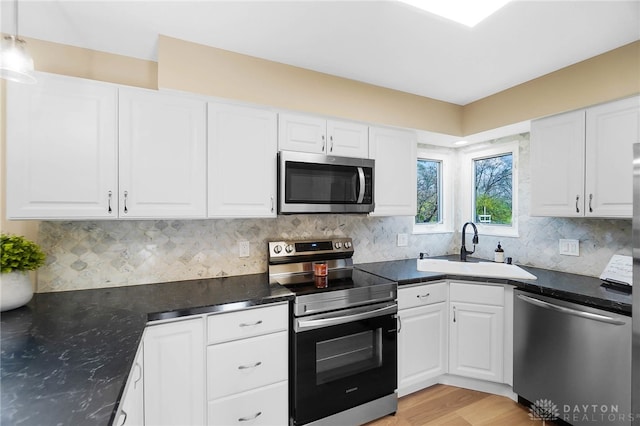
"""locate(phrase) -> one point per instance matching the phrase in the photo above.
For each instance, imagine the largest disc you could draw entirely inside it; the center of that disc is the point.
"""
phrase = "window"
(429, 184)
(491, 191)
(434, 192)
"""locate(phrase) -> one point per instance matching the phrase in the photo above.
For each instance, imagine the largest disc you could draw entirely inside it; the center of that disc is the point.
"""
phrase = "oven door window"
(320, 184)
(343, 366)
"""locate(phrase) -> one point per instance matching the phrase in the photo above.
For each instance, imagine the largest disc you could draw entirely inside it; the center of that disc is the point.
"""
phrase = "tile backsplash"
(120, 253)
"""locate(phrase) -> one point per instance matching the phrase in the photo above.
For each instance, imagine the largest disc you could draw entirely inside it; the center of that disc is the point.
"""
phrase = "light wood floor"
(442, 405)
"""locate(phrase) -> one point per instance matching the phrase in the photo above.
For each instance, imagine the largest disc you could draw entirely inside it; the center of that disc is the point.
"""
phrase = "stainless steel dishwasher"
(572, 360)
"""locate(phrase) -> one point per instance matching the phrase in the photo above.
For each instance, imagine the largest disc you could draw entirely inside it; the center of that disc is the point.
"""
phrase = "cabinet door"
(395, 173)
(348, 139)
(174, 373)
(132, 411)
(476, 341)
(557, 165)
(162, 155)
(612, 129)
(302, 133)
(242, 161)
(422, 346)
(61, 149)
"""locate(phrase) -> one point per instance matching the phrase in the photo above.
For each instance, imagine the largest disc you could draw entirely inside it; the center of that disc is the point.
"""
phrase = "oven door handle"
(362, 185)
(325, 322)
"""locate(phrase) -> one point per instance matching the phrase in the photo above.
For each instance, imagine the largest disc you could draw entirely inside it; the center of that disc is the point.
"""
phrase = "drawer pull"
(244, 367)
(248, 418)
(244, 324)
(422, 296)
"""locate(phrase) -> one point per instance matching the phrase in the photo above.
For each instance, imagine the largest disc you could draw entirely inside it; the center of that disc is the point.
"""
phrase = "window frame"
(468, 186)
(446, 196)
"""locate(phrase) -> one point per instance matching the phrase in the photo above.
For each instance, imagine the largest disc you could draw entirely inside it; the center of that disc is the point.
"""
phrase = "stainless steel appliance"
(343, 334)
(575, 357)
(635, 364)
(318, 183)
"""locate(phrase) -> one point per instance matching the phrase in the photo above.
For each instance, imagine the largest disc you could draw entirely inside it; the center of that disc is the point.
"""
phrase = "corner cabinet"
(131, 412)
(62, 149)
(242, 158)
(162, 161)
(395, 153)
(174, 368)
(317, 135)
(581, 161)
(422, 336)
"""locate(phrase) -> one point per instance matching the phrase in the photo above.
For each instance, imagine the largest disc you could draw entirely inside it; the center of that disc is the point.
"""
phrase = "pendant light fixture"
(16, 64)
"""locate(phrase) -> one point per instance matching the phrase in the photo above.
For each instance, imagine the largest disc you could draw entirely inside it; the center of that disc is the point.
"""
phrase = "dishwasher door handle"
(570, 311)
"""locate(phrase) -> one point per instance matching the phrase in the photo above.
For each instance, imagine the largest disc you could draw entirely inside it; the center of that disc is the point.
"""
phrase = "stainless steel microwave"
(318, 183)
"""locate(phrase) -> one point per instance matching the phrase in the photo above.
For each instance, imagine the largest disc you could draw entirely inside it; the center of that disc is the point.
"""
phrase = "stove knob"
(288, 248)
(338, 245)
(347, 244)
(277, 249)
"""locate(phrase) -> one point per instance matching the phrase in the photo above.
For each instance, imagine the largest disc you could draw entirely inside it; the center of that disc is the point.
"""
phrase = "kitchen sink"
(475, 269)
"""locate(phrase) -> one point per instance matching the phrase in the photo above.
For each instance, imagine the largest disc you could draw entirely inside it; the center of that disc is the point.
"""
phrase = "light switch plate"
(403, 240)
(569, 247)
(244, 248)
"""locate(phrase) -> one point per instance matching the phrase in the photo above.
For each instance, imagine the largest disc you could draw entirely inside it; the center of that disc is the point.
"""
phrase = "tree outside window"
(494, 190)
(429, 193)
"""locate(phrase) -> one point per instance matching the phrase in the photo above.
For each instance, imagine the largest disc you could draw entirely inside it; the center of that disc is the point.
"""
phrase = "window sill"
(435, 229)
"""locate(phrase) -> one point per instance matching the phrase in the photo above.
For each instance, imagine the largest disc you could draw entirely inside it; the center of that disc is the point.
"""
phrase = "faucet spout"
(463, 250)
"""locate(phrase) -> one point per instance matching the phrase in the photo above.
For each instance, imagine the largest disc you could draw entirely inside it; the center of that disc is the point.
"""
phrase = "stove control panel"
(335, 246)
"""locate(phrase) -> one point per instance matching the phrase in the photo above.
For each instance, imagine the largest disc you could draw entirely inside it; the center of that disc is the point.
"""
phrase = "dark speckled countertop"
(571, 287)
(65, 356)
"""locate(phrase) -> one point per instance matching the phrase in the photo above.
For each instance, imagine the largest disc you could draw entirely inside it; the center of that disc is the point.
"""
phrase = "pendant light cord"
(15, 15)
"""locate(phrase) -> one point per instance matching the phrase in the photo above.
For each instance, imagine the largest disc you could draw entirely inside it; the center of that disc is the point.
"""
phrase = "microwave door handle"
(362, 185)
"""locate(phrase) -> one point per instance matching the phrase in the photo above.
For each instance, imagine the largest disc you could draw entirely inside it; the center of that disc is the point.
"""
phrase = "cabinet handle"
(246, 367)
(126, 194)
(244, 324)
(422, 296)
(577, 208)
(399, 323)
(135, 382)
(109, 202)
(454, 314)
(124, 420)
(248, 418)
(272, 204)
(323, 143)
(590, 200)
(331, 139)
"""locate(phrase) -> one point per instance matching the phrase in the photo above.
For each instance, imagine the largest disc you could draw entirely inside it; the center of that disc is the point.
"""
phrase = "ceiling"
(384, 43)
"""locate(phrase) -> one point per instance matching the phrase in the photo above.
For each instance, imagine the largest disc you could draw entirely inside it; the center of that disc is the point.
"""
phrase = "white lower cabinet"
(422, 336)
(174, 384)
(247, 367)
(131, 411)
(476, 320)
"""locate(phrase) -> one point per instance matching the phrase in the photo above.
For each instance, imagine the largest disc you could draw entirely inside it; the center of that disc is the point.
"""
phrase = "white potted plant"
(17, 256)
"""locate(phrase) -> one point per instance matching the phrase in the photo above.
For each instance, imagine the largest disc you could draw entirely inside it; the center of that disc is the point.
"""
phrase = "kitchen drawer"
(241, 365)
(247, 323)
(264, 406)
(476, 293)
(420, 295)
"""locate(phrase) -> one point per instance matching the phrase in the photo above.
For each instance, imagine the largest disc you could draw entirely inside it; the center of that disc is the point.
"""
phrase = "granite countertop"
(65, 357)
(561, 285)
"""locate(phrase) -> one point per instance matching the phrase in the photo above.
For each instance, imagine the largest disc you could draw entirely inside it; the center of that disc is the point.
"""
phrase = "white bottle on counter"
(499, 254)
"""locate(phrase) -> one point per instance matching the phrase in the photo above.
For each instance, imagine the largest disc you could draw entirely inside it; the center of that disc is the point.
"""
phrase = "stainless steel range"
(344, 336)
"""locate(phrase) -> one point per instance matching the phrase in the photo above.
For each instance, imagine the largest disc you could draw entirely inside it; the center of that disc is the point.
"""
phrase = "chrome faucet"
(463, 249)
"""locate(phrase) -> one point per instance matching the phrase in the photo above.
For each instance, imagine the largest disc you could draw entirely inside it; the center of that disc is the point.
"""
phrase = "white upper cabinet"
(162, 155)
(581, 161)
(318, 135)
(61, 149)
(395, 171)
(612, 129)
(242, 160)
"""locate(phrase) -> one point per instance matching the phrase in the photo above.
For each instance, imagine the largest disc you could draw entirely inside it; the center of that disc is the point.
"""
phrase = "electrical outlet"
(244, 248)
(403, 240)
(569, 247)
